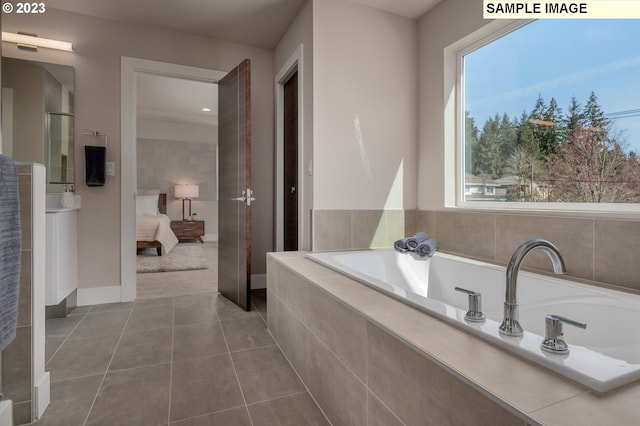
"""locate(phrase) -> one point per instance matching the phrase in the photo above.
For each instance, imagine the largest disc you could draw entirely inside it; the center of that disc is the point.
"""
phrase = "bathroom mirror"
(37, 116)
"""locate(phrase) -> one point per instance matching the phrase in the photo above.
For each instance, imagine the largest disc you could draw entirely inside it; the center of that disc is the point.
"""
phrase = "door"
(234, 191)
(290, 164)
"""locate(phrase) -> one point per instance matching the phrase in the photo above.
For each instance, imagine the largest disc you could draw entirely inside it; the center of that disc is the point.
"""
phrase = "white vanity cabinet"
(62, 254)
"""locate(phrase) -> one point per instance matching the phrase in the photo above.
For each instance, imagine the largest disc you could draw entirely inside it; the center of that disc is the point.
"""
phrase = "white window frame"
(462, 48)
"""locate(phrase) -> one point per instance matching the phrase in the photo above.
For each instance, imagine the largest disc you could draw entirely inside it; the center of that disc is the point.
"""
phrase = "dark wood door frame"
(292, 66)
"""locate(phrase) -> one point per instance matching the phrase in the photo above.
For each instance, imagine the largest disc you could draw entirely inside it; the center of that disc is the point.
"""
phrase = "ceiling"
(176, 100)
(259, 23)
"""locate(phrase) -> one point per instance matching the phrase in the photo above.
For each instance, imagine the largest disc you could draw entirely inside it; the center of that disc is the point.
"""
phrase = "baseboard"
(42, 395)
(99, 295)
(258, 281)
(6, 413)
(210, 237)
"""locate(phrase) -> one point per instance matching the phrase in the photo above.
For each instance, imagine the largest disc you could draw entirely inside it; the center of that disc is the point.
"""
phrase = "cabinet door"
(62, 255)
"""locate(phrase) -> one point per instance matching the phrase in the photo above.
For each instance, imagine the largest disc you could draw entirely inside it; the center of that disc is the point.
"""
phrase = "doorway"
(130, 69)
(293, 166)
(290, 164)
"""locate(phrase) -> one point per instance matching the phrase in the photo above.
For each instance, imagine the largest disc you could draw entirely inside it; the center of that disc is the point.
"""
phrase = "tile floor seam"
(64, 341)
(145, 329)
(252, 348)
(115, 349)
(207, 414)
(173, 334)
(260, 314)
(278, 397)
(235, 372)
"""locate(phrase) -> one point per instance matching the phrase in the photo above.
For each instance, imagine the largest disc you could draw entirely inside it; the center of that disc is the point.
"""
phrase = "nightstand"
(188, 229)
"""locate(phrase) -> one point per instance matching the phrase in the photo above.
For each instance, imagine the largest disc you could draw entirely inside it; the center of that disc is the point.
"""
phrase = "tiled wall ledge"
(368, 359)
(597, 251)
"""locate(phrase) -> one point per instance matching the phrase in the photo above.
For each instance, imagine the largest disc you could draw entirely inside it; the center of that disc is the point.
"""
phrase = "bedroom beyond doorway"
(181, 283)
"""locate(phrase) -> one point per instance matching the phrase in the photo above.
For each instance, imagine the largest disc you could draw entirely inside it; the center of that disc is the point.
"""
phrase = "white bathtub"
(603, 356)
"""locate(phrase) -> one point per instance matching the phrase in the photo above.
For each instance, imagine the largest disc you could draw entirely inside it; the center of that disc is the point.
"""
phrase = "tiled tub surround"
(596, 250)
(368, 359)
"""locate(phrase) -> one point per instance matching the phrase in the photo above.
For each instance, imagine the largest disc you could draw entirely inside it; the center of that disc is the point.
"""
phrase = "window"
(551, 114)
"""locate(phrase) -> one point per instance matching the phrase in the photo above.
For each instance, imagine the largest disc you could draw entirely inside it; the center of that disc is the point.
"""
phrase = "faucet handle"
(474, 314)
(553, 341)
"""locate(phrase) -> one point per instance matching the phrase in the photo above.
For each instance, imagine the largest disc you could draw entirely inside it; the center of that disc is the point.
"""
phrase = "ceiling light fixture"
(32, 42)
(205, 109)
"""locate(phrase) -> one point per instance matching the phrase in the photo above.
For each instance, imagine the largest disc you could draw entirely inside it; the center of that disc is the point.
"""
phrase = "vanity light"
(33, 42)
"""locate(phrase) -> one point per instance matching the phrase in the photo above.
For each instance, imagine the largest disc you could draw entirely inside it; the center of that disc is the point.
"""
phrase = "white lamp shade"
(187, 191)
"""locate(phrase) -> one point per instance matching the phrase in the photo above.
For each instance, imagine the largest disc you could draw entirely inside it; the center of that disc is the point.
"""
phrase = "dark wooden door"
(290, 162)
(234, 191)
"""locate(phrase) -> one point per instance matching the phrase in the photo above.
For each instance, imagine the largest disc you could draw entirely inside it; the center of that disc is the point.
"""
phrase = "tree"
(471, 140)
(525, 167)
(486, 156)
(574, 118)
(593, 114)
(525, 136)
(591, 168)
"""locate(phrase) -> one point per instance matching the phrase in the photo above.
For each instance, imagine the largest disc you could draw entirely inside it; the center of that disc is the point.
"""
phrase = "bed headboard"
(162, 203)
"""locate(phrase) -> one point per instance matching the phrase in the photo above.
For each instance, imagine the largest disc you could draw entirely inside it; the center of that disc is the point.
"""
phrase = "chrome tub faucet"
(510, 325)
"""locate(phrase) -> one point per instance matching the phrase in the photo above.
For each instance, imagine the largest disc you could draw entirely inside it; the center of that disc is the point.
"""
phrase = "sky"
(559, 59)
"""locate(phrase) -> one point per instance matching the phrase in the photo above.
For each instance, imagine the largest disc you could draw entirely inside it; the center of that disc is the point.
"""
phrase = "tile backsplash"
(598, 251)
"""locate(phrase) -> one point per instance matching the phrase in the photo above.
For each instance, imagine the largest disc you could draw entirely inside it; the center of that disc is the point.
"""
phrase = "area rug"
(181, 258)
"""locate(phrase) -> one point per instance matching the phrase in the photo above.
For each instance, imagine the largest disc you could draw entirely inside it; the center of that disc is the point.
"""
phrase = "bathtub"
(603, 356)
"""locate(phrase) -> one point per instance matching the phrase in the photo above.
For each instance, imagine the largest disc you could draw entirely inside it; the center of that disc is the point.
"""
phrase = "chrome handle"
(243, 198)
(293, 189)
(474, 314)
(553, 341)
(247, 197)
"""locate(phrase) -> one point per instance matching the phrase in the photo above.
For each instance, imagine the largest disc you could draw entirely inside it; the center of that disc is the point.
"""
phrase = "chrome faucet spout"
(510, 325)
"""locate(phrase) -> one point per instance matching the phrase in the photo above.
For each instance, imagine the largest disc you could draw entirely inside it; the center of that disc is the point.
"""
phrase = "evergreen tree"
(573, 120)
(594, 116)
(526, 137)
(508, 137)
(470, 141)
(487, 153)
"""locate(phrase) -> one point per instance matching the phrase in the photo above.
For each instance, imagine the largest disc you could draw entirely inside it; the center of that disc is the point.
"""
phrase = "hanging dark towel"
(95, 157)
(10, 250)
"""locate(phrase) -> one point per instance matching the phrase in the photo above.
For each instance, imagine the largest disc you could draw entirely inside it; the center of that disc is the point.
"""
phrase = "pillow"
(147, 205)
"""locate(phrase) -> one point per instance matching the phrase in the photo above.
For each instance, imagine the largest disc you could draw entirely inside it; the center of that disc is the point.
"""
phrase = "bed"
(153, 226)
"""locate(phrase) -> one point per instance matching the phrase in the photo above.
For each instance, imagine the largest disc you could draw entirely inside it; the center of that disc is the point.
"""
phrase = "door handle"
(244, 198)
(293, 189)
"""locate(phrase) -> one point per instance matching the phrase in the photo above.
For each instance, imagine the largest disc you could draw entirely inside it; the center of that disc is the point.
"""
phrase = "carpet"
(181, 258)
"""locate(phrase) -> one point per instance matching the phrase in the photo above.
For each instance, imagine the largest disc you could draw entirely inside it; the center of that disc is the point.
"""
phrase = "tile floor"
(181, 354)
(180, 360)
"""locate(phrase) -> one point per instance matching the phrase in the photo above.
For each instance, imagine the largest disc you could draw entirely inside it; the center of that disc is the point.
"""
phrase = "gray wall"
(163, 164)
